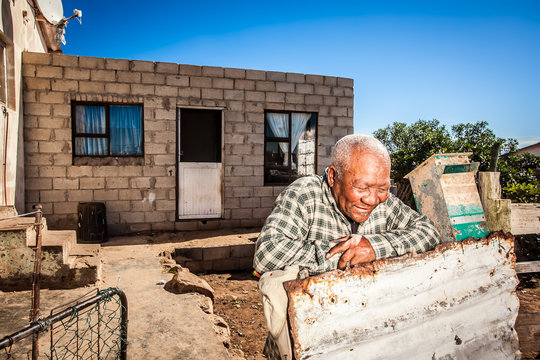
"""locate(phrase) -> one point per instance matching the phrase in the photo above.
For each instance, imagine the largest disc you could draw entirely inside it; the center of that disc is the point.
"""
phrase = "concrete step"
(211, 256)
(65, 264)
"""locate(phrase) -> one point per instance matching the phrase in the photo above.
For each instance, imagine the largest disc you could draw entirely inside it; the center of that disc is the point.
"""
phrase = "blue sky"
(455, 61)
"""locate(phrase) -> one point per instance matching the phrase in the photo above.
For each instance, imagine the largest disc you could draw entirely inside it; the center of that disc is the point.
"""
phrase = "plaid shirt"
(306, 218)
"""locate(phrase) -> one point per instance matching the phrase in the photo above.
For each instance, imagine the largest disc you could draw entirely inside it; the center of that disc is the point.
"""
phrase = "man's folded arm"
(407, 231)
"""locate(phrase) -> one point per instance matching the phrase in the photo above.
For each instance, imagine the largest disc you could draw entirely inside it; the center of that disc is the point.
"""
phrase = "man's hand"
(357, 250)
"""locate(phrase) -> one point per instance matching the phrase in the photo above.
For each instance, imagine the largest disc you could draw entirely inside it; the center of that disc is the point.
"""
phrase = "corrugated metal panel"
(456, 302)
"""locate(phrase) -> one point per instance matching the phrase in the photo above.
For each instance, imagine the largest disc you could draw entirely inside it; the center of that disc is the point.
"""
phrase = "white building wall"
(19, 32)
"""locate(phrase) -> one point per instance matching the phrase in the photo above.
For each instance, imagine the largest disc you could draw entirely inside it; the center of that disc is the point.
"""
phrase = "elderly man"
(344, 218)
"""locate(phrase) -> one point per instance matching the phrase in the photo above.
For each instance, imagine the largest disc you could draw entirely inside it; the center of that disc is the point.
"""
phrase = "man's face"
(362, 187)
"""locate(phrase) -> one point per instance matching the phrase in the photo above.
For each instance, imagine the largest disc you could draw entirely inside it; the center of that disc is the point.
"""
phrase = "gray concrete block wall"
(142, 195)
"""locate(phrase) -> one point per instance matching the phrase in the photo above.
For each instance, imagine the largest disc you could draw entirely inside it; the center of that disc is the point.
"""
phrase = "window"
(107, 130)
(289, 146)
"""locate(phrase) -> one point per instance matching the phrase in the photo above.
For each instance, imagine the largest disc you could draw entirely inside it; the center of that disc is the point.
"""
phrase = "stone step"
(65, 264)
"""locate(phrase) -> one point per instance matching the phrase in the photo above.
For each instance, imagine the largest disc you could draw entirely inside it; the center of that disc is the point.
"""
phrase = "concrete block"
(165, 182)
(62, 183)
(233, 116)
(128, 76)
(215, 253)
(91, 87)
(164, 160)
(140, 183)
(241, 213)
(330, 80)
(330, 100)
(244, 84)
(116, 183)
(276, 76)
(133, 217)
(91, 62)
(53, 147)
(29, 70)
(117, 64)
(314, 99)
(255, 75)
(37, 109)
(233, 95)
(338, 111)
(185, 226)
(140, 65)
(36, 58)
(162, 90)
(155, 217)
(37, 84)
(322, 90)
(76, 74)
(222, 83)
(61, 110)
(79, 171)
(255, 96)
(91, 183)
(165, 205)
(253, 202)
(192, 70)
(52, 196)
(52, 97)
(189, 93)
(200, 81)
(304, 88)
(285, 87)
(212, 71)
(265, 86)
(78, 195)
(244, 191)
(195, 253)
(55, 72)
(116, 88)
(65, 207)
(52, 171)
(129, 194)
(103, 75)
(294, 99)
(168, 68)
(139, 89)
(177, 80)
(152, 78)
(38, 159)
(105, 195)
(63, 134)
(254, 107)
(212, 94)
(46, 122)
(345, 82)
(64, 85)
(296, 78)
(345, 102)
(106, 171)
(275, 97)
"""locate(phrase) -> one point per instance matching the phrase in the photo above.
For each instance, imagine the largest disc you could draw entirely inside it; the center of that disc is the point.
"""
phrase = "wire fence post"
(36, 281)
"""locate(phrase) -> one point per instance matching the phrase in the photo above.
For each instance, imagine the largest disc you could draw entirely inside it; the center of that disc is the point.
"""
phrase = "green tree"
(410, 145)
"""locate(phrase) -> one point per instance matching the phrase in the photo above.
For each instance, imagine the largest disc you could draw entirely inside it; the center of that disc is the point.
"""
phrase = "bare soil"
(237, 300)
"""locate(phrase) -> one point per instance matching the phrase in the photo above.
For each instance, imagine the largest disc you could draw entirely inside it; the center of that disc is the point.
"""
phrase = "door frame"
(177, 160)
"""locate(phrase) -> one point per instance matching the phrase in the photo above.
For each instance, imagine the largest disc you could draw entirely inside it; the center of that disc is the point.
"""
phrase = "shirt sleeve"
(281, 241)
(406, 231)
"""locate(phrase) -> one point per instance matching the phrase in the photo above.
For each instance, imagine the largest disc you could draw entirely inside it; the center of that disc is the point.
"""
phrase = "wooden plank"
(527, 267)
(528, 330)
(525, 219)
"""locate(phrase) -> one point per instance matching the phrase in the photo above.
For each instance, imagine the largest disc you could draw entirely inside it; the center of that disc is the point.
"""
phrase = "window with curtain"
(289, 146)
(101, 129)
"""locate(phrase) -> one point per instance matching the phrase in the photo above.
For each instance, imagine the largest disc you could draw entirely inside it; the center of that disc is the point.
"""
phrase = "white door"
(199, 164)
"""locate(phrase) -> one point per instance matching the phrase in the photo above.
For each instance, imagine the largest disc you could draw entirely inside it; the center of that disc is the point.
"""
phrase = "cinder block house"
(170, 146)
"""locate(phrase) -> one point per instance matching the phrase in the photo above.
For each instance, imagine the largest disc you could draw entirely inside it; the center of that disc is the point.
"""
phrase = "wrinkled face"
(362, 187)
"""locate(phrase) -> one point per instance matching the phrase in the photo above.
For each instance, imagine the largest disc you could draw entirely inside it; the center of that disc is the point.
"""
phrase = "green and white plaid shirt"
(306, 218)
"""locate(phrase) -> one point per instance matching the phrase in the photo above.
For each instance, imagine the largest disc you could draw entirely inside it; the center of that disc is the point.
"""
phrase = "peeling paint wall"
(456, 302)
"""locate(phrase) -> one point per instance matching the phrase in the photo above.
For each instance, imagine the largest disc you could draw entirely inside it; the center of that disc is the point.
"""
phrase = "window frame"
(289, 139)
(75, 134)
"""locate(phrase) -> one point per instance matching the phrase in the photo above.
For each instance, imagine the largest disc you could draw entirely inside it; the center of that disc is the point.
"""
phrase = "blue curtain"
(90, 120)
(125, 130)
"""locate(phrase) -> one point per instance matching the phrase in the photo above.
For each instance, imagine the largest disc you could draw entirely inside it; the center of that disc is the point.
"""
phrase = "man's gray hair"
(356, 142)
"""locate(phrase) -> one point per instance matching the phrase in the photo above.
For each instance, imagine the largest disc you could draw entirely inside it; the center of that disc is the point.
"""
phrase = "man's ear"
(331, 175)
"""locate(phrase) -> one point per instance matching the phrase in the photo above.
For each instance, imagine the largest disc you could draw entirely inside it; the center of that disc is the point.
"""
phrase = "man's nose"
(371, 197)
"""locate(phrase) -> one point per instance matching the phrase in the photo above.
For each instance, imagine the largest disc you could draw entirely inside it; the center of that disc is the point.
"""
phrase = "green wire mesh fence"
(91, 327)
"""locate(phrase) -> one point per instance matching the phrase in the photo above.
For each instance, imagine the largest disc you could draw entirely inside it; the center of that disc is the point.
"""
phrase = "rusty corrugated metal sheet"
(456, 302)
